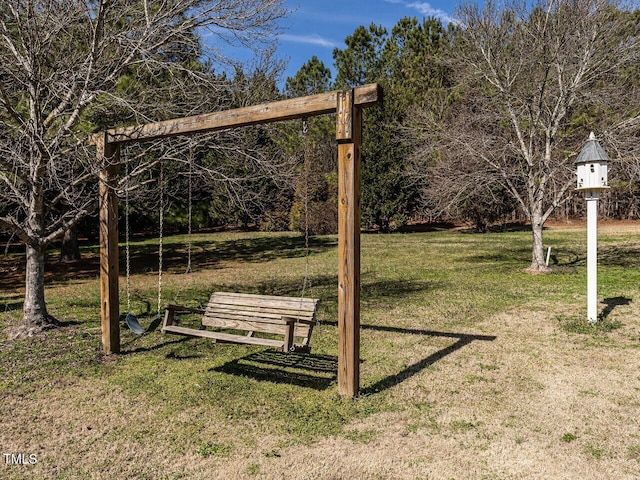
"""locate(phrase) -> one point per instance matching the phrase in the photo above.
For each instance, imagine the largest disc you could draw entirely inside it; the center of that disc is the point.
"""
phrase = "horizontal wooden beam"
(364, 96)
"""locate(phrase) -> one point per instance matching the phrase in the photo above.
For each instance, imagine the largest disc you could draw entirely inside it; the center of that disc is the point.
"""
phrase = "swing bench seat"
(286, 318)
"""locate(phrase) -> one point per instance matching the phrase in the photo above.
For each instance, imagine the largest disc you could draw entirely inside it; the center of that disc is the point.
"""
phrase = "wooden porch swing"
(286, 317)
(348, 105)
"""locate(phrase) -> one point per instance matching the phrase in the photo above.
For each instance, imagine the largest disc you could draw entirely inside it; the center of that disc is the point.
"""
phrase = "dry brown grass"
(535, 402)
(497, 409)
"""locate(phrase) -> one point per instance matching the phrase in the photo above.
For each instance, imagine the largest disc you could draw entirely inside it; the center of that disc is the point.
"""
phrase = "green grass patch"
(581, 325)
(596, 452)
(362, 436)
(462, 425)
(215, 450)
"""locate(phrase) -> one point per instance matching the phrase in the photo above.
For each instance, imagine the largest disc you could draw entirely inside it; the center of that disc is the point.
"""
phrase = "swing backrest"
(260, 313)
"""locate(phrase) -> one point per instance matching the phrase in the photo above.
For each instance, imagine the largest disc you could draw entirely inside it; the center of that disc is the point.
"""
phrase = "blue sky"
(316, 27)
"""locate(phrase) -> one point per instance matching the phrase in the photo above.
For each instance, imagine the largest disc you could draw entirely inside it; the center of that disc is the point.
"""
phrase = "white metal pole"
(592, 257)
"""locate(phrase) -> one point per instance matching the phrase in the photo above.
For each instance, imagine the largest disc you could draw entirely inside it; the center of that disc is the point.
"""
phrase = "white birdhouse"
(591, 166)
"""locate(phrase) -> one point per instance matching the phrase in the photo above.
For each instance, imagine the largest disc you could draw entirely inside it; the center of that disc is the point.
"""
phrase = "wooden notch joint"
(345, 117)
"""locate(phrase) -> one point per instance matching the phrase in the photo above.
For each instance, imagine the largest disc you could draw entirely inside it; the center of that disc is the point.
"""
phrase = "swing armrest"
(290, 322)
(170, 311)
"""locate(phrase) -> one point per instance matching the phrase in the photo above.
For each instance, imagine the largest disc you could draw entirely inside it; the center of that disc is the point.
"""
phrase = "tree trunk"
(538, 264)
(35, 314)
(70, 249)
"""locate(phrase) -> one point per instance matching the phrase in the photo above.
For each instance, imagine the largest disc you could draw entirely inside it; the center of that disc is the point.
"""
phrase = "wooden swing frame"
(348, 105)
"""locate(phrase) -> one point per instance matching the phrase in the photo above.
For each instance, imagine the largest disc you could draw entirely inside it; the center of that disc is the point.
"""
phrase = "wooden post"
(108, 155)
(349, 137)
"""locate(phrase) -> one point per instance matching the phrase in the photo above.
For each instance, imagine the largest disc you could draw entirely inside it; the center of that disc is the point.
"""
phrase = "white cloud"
(312, 39)
(427, 10)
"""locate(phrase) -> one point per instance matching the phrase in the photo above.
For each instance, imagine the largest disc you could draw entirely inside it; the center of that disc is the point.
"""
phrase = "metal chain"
(307, 165)
(190, 212)
(127, 234)
(160, 240)
(190, 225)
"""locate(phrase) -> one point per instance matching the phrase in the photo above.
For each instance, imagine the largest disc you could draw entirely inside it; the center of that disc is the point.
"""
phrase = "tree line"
(481, 119)
(449, 143)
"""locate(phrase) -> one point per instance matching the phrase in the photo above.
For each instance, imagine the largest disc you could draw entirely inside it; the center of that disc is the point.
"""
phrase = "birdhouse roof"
(592, 152)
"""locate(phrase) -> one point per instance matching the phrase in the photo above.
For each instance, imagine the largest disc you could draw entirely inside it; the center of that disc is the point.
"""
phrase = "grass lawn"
(471, 368)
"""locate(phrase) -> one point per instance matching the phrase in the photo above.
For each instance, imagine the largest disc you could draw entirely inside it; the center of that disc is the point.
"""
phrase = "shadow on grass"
(513, 255)
(69, 323)
(9, 307)
(178, 356)
(144, 257)
(462, 340)
(154, 347)
(209, 254)
(320, 371)
(627, 256)
(511, 227)
(427, 227)
(612, 303)
(303, 370)
(288, 287)
(411, 370)
(385, 289)
(609, 256)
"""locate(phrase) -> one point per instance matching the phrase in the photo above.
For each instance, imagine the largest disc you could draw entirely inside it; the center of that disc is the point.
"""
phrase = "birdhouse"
(591, 166)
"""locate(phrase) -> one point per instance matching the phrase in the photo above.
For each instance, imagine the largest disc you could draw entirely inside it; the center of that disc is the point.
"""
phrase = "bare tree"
(526, 71)
(74, 66)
